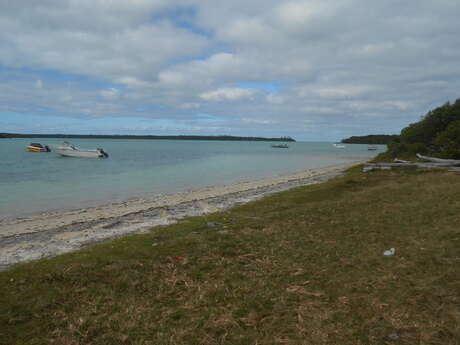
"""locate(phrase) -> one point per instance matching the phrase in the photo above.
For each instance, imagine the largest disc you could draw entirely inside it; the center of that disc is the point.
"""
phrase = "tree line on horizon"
(373, 139)
(154, 137)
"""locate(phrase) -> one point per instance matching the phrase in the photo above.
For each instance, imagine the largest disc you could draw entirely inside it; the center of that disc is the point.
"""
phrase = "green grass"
(300, 267)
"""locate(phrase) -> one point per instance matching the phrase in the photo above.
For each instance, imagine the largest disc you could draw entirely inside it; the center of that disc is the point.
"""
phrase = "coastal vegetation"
(373, 139)
(437, 134)
(153, 137)
(304, 266)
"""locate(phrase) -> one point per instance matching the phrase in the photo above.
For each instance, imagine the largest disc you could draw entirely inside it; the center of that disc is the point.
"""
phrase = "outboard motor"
(47, 148)
(103, 153)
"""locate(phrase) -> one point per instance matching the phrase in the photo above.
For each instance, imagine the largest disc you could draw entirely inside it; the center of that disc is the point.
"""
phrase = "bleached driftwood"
(384, 166)
(396, 160)
(369, 167)
(433, 163)
(446, 162)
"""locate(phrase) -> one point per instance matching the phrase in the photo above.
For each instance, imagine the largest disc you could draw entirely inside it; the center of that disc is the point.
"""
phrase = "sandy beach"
(53, 233)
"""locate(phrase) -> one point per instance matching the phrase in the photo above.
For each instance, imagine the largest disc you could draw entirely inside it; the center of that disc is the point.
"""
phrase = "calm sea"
(36, 182)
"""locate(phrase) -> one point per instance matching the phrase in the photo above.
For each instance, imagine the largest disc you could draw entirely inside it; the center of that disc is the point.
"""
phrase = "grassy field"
(301, 267)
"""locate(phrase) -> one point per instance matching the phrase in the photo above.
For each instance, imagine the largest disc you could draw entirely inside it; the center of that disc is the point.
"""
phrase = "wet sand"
(52, 233)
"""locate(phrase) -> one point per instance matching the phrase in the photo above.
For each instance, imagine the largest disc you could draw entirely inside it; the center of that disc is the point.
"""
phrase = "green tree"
(438, 134)
(448, 141)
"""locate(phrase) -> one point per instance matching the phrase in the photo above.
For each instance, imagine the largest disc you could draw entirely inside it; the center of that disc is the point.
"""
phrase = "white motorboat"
(338, 146)
(68, 150)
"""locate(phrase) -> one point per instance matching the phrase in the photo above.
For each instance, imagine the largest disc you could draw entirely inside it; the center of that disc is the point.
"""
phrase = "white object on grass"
(389, 252)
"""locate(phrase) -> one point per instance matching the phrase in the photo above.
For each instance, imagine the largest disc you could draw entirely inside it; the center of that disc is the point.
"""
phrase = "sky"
(313, 70)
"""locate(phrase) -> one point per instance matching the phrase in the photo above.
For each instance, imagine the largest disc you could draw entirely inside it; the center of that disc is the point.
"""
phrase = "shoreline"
(53, 233)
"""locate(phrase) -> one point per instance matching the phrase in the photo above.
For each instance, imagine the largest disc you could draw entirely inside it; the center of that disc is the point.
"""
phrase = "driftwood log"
(433, 163)
(451, 162)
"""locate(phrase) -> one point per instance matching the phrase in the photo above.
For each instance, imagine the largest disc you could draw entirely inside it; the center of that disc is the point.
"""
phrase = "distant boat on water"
(36, 147)
(338, 145)
(280, 146)
(371, 147)
(68, 150)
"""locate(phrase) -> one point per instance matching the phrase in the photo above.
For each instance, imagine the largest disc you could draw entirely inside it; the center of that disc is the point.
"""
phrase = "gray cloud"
(336, 68)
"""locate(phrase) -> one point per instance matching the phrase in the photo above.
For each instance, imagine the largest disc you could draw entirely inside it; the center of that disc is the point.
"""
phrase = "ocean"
(33, 182)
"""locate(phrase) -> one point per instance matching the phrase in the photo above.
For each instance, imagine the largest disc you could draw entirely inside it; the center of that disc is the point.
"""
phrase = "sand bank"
(52, 233)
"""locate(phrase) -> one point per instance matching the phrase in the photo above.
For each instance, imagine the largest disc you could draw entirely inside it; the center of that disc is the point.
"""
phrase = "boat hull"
(31, 148)
(35, 149)
(80, 154)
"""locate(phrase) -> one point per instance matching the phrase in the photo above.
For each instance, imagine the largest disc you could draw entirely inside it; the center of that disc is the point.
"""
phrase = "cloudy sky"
(313, 70)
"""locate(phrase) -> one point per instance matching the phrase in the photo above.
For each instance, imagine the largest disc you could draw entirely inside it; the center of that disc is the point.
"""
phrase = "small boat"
(338, 145)
(68, 150)
(371, 147)
(36, 147)
(280, 146)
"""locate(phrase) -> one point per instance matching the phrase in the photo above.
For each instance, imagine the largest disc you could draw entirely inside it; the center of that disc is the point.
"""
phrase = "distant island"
(153, 137)
(374, 139)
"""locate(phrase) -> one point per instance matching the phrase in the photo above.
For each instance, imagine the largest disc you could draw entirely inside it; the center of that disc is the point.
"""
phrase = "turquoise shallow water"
(36, 182)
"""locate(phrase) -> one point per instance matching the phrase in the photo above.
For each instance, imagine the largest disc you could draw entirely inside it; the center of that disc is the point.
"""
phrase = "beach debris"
(392, 337)
(213, 224)
(449, 162)
(179, 257)
(111, 224)
(206, 207)
(427, 163)
(389, 252)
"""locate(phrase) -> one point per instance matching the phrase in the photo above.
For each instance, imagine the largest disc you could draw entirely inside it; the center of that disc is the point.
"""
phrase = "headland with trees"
(437, 134)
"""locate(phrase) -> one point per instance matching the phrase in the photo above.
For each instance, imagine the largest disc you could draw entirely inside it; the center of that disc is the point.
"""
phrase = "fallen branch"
(433, 163)
(420, 165)
(367, 168)
(396, 160)
(451, 162)
(383, 166)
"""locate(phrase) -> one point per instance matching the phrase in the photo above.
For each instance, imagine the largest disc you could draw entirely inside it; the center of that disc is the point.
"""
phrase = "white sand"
(52, 233)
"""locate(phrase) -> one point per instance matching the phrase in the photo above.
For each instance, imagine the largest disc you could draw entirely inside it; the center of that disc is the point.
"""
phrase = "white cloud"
(333, 63)
(375, 49)
(132, 82)
(172, 78)
(259, 122)
(296, 15)
(343, 91)
(275, 99)
(400, 105)
(228, 94)
(114, 39)
(110, 94)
